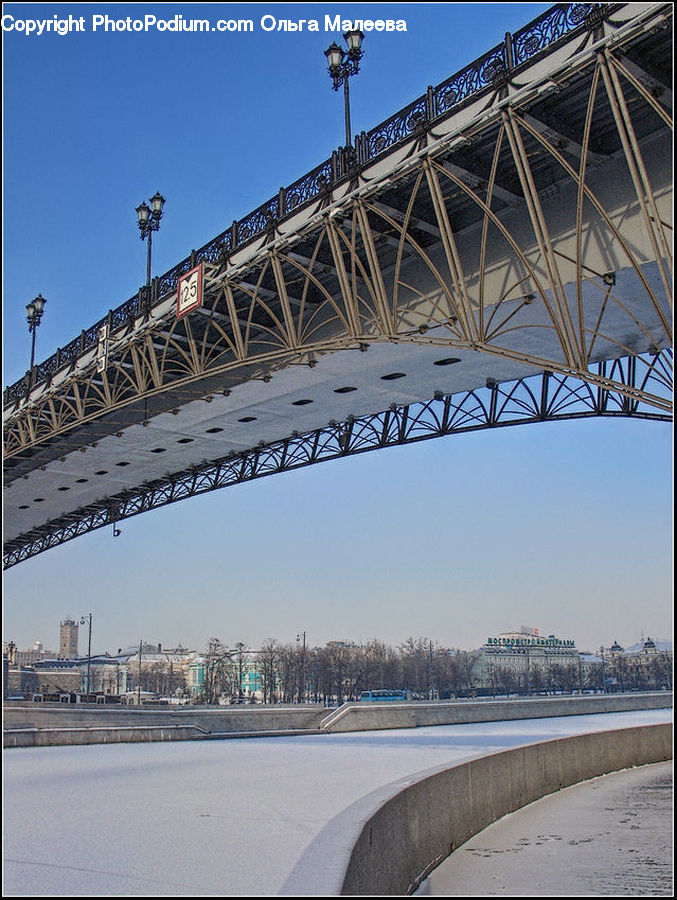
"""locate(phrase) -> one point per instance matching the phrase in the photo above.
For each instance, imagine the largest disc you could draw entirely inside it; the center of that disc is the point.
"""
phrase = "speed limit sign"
(189, 291)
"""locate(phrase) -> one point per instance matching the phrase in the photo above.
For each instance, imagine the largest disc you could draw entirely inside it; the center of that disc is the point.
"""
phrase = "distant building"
(646, 665)
(161, 671)
(59, 680)
(68, 639)
(107, 674)
(525, 661)
(20, 682)
(37, 652)
(196, 675)
(241, 676)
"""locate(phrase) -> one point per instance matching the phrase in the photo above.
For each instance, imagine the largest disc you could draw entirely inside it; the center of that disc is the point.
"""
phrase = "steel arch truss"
(547, 397)
(345, 276)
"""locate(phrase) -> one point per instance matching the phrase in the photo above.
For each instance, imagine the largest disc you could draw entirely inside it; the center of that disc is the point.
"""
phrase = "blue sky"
(564, 526)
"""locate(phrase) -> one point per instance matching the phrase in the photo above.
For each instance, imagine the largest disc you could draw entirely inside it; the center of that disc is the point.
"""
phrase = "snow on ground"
(608, 836)
(222, 817)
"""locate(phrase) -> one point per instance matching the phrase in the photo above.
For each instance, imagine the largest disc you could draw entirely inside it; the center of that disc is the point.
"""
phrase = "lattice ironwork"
(471, 80)
(395, 129)
(310, 186)
(551, 26)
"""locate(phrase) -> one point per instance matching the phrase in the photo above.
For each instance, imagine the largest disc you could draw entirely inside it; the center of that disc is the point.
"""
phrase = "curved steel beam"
(547, 397)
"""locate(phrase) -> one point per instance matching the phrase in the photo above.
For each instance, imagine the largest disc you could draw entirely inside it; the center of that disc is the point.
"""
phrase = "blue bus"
(384, 695)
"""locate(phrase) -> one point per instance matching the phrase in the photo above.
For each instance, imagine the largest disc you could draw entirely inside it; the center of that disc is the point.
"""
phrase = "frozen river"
(240, 816)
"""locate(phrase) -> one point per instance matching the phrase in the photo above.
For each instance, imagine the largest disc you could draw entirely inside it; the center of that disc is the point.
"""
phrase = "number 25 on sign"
(189, 291)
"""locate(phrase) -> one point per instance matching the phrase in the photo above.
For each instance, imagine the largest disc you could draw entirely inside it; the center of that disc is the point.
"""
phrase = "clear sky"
(563, 526)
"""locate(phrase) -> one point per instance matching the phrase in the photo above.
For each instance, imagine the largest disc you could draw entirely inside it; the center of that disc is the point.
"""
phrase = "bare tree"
(445, 672)
(594, 677)
(289, 671)
(318, 673)
(661, 670)
(416, 665)
(338, 660)
(268, 656)
(466, 661)
(215, 678)
(239, 660)
(535, 679)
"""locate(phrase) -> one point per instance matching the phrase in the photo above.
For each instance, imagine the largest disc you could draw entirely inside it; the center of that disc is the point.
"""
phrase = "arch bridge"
(496, 253)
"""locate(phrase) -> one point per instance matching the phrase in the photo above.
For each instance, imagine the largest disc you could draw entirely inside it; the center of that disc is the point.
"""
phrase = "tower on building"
(68, 639)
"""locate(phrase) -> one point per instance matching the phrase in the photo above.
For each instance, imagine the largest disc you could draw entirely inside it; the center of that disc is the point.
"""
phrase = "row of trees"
(339, 671)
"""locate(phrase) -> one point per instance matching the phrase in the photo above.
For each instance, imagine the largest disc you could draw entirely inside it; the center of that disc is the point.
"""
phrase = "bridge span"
(498, 252)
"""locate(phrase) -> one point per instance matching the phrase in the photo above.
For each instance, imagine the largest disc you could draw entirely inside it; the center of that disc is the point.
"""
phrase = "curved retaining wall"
(413, 831)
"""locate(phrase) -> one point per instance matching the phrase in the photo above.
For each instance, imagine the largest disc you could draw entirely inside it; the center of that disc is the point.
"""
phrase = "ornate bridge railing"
(563, 22)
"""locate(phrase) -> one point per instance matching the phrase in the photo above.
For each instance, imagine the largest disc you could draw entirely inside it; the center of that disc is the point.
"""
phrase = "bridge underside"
(507, 262)
(543, 398)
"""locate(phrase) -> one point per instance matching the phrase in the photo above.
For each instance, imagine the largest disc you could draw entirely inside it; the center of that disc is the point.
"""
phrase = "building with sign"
(525, 661)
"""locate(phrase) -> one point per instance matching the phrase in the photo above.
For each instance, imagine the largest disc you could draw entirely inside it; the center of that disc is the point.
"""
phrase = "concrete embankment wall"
(42, 725)
(421, 825)
(371, 716)
(49, 737)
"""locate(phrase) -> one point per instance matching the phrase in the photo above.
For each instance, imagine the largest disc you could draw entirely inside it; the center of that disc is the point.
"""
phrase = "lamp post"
(138, 690)
(342, 65)
(601, 652)
(303, 667)
(430, 670)
(84, 619)
(149, 221)
(34, 311)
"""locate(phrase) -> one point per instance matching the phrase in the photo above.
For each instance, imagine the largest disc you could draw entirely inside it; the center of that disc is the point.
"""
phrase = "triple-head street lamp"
(34, 311)
(342, 65)
(149, 221)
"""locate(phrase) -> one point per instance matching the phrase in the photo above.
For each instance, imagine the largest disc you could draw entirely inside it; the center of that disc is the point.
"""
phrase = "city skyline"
(566, 526)
(101, 648)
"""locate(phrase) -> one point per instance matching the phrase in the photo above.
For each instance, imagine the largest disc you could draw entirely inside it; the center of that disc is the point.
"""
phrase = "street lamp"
(34, 311)
(342, 65)
(84, 619)
(303, 667)
(138, 694)
(604, 685)
(149, 221)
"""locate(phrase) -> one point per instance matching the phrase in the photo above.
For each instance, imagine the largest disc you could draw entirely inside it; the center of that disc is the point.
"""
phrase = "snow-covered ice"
(238, 816)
